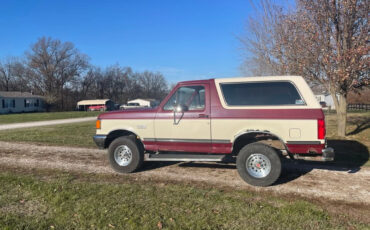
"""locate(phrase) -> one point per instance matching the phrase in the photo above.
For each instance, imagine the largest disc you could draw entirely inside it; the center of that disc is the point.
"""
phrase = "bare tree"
(325, 41)
(12, 75)
(54, 65)
(59, 72)
(153, 85)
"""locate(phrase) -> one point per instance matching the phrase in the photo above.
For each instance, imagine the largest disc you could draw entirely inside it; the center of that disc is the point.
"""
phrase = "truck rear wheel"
(124, 155)
(258, 164)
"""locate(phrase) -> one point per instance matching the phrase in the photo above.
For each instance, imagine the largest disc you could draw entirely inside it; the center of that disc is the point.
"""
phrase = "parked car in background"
(254, 121)
(140, 103)
(132, 106)
(97, 108)
(323, 104)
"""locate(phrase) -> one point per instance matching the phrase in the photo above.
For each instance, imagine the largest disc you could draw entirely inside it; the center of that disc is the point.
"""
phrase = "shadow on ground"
(361, 123)
(151, 165)
(350, 156)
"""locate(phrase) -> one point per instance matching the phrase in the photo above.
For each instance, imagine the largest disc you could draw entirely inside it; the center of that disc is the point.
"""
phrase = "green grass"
(65, 201)
(75, 134)
(27, 117)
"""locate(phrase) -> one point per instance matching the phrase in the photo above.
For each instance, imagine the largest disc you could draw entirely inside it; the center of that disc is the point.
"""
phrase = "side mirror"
(179, 109)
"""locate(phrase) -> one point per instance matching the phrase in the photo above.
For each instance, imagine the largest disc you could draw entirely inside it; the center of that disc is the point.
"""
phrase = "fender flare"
(259, 132)
(108, 140)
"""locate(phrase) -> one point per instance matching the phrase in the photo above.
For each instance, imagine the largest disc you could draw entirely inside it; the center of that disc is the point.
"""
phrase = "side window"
(191, 96)
(261, 93)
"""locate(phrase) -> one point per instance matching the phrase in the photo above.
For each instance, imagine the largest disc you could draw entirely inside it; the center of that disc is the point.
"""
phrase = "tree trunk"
(341, 108)
(342, 116)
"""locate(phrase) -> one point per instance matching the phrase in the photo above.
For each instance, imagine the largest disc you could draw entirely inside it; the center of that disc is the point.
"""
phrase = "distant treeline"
(63, 75)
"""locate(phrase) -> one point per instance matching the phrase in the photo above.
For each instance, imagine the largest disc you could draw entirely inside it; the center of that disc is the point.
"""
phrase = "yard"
(77, 134)
(44, 199)
(28, 117)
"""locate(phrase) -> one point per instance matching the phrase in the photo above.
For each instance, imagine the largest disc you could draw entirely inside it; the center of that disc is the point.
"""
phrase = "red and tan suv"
(255, 120)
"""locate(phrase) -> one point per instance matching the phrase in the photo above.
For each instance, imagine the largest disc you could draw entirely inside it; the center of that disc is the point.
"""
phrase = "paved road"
(44, 123)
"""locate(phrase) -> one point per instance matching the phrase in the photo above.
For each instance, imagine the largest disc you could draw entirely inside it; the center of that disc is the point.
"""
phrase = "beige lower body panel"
(286, 130)
(215, 129)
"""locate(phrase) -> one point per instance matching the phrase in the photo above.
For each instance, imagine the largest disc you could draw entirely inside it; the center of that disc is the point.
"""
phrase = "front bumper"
(100, 141)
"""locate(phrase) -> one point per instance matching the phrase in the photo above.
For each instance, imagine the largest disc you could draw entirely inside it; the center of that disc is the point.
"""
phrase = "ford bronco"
(255, 121)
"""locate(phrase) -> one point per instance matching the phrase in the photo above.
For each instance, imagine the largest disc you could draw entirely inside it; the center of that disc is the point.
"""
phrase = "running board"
(183, 157)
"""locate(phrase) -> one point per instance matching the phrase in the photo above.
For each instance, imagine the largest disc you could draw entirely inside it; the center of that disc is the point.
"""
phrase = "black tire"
(253, 152)
(137, 155)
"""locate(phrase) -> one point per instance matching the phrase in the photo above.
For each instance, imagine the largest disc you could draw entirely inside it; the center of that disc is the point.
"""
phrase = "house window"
(5, 103)
(37, 104)
(13, 103)
(27, 103)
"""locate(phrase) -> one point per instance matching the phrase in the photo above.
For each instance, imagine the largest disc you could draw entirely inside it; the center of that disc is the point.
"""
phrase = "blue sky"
(182, 39)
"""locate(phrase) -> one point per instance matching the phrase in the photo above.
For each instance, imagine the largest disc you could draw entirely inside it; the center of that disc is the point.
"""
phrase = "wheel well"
(263, 137)
(120, 133)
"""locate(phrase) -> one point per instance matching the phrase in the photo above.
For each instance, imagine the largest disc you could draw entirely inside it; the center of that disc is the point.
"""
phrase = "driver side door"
(188, 130)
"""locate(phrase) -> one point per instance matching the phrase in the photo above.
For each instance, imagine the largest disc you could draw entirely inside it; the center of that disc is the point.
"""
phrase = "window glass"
(5, 103)
(190, 96)
(27, 103)
(261, 93)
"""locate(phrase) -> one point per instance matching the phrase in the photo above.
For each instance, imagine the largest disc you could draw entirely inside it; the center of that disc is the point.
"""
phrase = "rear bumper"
(100, 141)
(327, 155)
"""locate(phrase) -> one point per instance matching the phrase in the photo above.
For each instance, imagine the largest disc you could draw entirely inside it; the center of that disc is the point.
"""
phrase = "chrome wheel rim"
(258, 165)
(123, 155)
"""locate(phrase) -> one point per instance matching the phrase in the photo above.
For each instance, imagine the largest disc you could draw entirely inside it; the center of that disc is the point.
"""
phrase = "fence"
(363, 107)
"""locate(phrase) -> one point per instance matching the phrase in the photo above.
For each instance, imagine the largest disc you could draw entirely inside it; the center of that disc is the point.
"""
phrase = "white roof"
(139, 99)
(93, 102)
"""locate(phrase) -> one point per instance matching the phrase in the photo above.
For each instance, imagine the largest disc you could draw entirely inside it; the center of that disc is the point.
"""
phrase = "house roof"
(18, 94)
(93, 102)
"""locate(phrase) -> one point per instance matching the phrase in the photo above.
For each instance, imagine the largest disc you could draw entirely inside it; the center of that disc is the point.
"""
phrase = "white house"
(19, 102)
(327, 98)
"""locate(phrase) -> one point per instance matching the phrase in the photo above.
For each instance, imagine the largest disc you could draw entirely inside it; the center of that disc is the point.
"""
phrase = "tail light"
(321, 129)
(98, 124)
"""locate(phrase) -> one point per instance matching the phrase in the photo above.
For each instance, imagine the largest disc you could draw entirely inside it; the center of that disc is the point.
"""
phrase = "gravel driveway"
(44, 123)
(305, 179)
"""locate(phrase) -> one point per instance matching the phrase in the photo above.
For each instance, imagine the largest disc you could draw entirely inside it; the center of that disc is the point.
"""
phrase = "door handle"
(203, 116)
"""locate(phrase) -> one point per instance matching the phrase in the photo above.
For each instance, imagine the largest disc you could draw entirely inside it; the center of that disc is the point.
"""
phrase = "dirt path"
(44, 123)
(311, 180)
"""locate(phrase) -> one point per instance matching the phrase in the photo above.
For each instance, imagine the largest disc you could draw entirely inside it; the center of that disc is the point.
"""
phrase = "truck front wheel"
(258, 164)
(124, 155)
